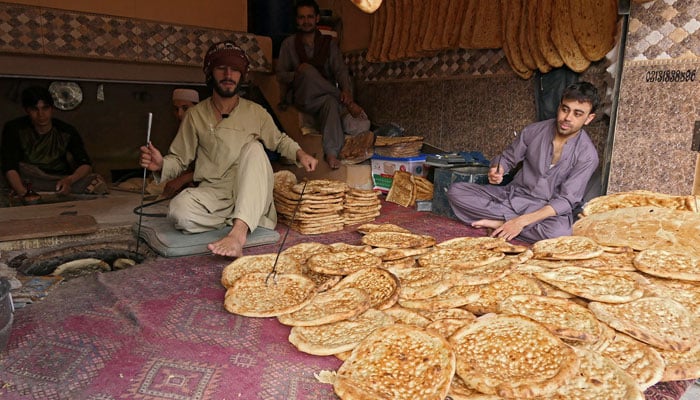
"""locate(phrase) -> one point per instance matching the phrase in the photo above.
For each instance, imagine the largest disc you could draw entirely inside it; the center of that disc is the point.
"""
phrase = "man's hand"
(510, 229)
(174, 186)
(63, 186)
(151, 159)
(307, 161)
(496, 174)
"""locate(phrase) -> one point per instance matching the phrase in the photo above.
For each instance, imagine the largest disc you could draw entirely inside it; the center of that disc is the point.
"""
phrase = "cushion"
(160, 234)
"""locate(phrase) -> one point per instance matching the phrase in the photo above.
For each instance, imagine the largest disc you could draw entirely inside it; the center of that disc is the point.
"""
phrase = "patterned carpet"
(159, 331)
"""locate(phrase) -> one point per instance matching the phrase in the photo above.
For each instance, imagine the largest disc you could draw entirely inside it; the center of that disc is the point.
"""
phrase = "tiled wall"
(460, 100)
(61, 33)
(659, 100)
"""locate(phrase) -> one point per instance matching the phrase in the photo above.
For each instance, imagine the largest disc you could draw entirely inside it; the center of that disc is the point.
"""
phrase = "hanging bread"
(388, 30)
(525, 52)
(487, 25)
(378, 21)
(531, 37)
(509, 26)
(453, 24)
(594, 23)
(405, 7)
(466, 30)
(394, 46)
(563, 37)
(544, 41)
(417, 29)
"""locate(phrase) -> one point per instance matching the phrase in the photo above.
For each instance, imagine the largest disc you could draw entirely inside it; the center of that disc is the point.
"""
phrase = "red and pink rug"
(159, 331)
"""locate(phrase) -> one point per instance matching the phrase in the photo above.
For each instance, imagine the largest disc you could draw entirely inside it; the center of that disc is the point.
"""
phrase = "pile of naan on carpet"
(604, 314)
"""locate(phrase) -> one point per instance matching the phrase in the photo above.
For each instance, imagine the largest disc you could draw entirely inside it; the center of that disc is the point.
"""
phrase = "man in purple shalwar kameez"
(558, 159)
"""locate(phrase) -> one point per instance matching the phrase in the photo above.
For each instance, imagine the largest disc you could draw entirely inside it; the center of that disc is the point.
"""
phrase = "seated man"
(183, 99)
(45, 153)
(312, 65)
(558, 158)
(225, 134)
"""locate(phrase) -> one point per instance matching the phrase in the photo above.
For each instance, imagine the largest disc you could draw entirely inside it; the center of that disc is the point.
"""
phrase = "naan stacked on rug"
(318, 204)
(570, 318)
(324, 206)
(360, 206)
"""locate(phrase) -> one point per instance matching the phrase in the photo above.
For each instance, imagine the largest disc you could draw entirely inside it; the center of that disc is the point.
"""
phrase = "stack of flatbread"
(324, 206)
(361, 206)
(407, 188)
(398, 146)
(316, 206)
(567, 318)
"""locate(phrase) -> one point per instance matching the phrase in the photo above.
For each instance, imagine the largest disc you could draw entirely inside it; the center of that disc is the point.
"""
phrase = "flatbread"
(456, 296)
(544, 41)
(302, 251)
(567, 248)
(385, 227)
(342, 262)
(321, 187)
(596, 285)
(657, 321)
(407, 316)
(329, 339)
(448, 326)
(258, 263)
(459, 258)
(666, 264)
(484, 274)
(251, 296)
(484, 242)
(598, 378)
(639, 198)
(686, 293)
(451, 313)
(394, 240)
(327, 307)
(680, 366)
(562, 36)
(402, 191)
(381, 285)
(397, 362)
(640, 228)
(638, 359)
(495, 292)
(562, 317)
(512, 356)
(594, 24)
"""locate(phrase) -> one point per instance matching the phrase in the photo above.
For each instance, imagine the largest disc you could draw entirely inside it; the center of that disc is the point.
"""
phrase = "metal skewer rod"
(143, 185)
(273, 273)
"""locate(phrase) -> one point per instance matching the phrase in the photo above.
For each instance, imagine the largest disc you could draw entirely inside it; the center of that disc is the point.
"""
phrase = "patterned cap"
(226, 53)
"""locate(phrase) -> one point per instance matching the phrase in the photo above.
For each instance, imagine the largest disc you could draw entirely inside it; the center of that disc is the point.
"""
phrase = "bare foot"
(232, 244)
(332, 161)
(488, 223)
(228, 247)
